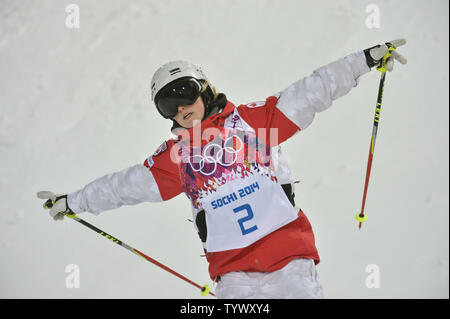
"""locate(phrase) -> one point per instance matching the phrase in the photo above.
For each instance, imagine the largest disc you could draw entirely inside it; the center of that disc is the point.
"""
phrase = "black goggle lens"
(181, 93)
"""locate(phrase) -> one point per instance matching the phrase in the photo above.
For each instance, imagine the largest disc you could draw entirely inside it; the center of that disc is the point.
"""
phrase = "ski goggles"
(183, 92)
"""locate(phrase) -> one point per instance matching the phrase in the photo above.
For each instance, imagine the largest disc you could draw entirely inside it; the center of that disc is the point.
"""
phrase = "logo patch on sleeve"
(150, 161)
(160, 149)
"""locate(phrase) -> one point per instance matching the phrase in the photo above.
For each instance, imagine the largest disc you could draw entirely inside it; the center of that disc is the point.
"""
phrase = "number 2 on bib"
(244, 219)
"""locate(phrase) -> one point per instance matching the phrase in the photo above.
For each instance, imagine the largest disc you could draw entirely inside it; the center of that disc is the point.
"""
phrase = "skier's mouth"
(188, 115)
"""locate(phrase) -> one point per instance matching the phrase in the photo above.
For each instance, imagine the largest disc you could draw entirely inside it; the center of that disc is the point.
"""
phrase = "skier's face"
(187, 114)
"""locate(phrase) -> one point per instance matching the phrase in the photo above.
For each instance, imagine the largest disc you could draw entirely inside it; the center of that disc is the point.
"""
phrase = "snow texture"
(75, 105)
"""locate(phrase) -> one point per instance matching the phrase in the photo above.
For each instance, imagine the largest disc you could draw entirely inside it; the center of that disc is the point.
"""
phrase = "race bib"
(246, 211)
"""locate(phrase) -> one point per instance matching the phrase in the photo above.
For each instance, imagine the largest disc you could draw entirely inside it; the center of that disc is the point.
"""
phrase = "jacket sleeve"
(155, 180)
(294, 108)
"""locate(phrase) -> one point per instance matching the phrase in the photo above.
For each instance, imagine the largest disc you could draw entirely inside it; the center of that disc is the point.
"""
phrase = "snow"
(75, 105)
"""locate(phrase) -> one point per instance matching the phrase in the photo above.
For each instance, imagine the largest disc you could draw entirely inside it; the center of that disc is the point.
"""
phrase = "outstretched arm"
(294, 108)
(130, 186)
(157, 179)
(316, 92)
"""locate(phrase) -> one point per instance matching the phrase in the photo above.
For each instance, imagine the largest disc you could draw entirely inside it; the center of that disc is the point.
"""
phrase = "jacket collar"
(215, 120)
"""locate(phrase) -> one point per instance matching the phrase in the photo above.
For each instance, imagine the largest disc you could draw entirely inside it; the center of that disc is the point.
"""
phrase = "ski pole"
(361, 217)
(204, 289)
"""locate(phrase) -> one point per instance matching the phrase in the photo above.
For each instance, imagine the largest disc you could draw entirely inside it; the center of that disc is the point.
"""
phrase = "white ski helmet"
(169, 75)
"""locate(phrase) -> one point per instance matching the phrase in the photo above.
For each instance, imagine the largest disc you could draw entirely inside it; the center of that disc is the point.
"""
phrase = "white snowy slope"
(75, 105)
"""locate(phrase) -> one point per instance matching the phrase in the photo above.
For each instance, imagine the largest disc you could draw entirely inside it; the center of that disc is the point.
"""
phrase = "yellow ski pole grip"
(49, 204)
(382, 66)
(68, 213)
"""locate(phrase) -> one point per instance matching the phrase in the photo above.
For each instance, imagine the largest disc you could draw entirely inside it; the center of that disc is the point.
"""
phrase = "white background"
(75, 105)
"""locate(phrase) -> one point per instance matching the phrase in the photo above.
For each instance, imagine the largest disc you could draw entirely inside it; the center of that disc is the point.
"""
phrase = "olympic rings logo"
(215, 154)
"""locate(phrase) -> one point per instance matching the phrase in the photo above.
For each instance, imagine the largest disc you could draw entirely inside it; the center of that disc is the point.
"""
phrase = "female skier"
(257, 243)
